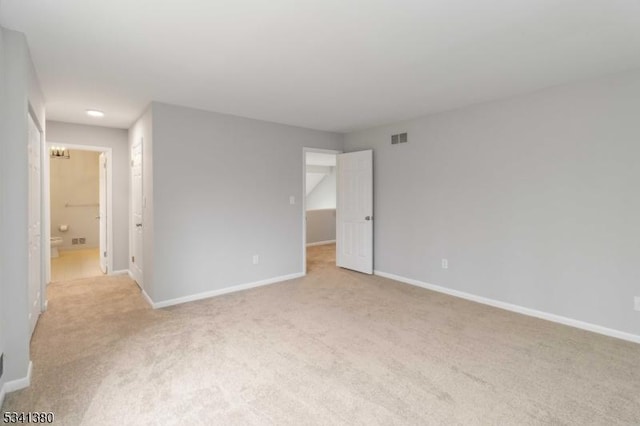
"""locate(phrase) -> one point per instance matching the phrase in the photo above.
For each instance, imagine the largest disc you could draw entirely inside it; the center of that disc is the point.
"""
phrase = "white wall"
(221, 194)
(323, 195)
(534, 200)
(20, 92)
(76, 181)
(117, 140)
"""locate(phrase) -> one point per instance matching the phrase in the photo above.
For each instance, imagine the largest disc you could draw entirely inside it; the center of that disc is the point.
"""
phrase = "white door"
(354, 215)
(136, 211)
(102, 212)
(35, 227)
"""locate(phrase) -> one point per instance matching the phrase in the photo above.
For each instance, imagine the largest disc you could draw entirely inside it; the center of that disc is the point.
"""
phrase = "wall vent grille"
(399, 138)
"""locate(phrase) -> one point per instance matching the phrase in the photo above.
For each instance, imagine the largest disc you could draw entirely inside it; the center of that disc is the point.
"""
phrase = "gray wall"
(2, 196)
(117, 140)
(221, 194)
(533, 200)
(321, 225)
(20, 91)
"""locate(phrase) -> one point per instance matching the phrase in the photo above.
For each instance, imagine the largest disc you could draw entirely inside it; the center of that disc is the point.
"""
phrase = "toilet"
(55, 243)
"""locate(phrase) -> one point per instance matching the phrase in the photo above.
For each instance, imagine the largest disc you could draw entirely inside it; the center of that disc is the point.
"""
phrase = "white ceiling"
(328, 64)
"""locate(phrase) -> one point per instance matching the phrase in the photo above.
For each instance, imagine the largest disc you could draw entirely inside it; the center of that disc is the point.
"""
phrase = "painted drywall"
(323, 196)
(321, 225)
(116, 139)
(142, 130)
(2, 198)
(533, 200)
(221, 195)
(75, 185)
(21, 93)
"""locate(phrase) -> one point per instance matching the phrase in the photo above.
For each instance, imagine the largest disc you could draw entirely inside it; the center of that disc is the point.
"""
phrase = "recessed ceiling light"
(95, 113)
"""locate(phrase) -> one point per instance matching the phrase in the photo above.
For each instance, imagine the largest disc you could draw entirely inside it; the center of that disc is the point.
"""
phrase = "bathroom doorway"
(79, 219)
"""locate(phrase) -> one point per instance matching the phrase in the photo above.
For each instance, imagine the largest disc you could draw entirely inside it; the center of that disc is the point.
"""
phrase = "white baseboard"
(17, 384)
(516, 308)
(147, 298)
(220, 292)
(321, 243)
(119, 272)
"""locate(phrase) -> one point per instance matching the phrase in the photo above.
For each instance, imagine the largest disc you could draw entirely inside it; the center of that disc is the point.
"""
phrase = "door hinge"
(133, 259)
(104, 254)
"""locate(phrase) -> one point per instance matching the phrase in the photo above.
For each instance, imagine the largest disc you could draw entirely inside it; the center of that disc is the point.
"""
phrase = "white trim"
(516, 308)
(17, 384)
(47, 198)
(220, 292)
(321, 243)
(146, 297)
(304, 199)
(120, 272)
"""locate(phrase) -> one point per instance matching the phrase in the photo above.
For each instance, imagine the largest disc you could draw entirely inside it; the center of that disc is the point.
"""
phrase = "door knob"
(139, 225)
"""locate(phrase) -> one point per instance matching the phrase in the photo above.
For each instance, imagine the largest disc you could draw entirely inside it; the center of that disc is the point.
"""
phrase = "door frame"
(108, 151)
(304, 198)
(45, 243)
(139, 280)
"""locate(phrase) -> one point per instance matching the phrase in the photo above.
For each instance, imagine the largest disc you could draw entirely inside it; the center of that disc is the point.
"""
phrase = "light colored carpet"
(335, 347)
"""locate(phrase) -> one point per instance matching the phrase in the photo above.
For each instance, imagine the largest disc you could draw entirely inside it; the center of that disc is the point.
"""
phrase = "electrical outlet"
(74, 241)
(636, 303)
(82, 240)
(256, 259)
(292, 200)
(445, 264)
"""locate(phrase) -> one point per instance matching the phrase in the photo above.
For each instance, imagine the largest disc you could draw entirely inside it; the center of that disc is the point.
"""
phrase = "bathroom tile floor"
(74, 264)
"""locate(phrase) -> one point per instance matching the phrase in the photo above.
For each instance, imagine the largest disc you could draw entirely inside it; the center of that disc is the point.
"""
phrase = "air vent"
(399, 138)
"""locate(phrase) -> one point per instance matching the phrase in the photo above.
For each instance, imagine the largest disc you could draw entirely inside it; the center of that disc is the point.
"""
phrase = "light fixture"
(59, 152)
(95, 113)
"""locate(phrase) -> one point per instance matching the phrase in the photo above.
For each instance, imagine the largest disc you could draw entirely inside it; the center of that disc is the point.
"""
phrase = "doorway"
(79, 218)
(319, 207)
(35, 286)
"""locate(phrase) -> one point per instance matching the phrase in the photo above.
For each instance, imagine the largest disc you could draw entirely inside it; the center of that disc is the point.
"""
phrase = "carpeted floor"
(335, 347)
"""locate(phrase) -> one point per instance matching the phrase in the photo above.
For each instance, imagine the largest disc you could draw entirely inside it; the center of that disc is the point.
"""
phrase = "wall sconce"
(59, 152)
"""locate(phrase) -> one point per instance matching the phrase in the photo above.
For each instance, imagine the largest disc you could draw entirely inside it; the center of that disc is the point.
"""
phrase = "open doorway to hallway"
(78, 212)
(320, 208)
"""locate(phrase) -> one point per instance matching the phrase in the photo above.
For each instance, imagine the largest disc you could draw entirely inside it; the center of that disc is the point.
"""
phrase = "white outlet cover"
(292, 199)
(256, 259)
(636, 303)
(445, 264)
